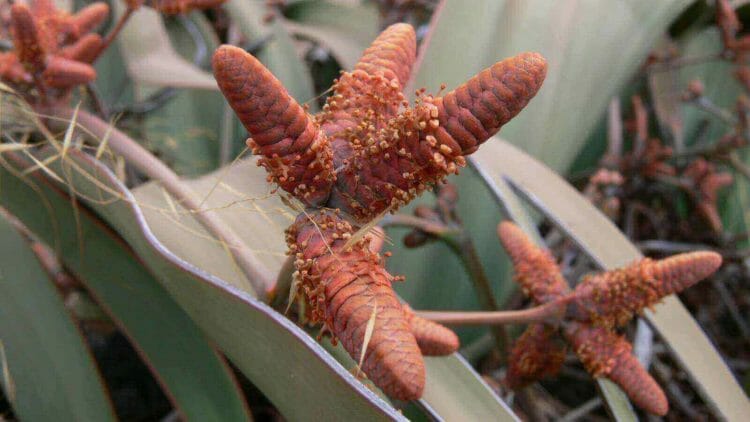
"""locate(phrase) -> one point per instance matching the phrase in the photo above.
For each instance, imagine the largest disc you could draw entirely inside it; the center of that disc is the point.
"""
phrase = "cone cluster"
(599, 305)
(368, 151)
(53, 50)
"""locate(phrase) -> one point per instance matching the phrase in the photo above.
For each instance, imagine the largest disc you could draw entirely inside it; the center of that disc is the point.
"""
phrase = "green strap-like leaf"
(299, 377)
(347, 30)
(150, 57)
(609, 248)
(591, 51)
(46, 369)
(278, 52)
(193, 375)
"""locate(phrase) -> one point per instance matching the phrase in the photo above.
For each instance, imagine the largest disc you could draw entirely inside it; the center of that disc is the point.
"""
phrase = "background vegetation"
(117, 303)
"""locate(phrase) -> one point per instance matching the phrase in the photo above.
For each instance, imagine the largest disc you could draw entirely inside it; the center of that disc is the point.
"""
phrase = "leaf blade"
(51, 368)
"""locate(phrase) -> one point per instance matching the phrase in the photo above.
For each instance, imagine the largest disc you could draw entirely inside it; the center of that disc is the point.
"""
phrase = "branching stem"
(550, 313)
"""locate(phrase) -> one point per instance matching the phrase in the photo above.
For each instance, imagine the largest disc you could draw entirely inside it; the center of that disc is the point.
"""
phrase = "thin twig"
(705, 104)
(151, 166)
(549, 313)
(463, 246)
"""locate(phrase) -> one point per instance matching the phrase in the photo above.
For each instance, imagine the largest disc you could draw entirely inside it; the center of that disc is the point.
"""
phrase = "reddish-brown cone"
(12, 70)
(433, 339)
(63, 73)
(538, 353)
(294, 150)
(612, 298)
(384, 152)
(391, 165)
(53, 47)
(346, 284)
(26, 41)
(535, 268)
(473, 112)
(368, 152)
(88, 19)
(606, 354)
(392, 54)
(599, 304)
(84, 50)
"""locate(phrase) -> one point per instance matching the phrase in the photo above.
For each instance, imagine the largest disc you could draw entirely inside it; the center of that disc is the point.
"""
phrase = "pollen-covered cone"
(534, 268)
(433, 339)
(346, 285)
(294, 150)
(371, 93)
(612, 298)
(63, 73)
(538, 353)
(607, 354)
(26, 40)
(392, 157)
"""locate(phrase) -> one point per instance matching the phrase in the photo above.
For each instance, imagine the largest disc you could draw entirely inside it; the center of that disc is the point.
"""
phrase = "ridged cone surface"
(64, 73)
(534, 268)
(538, 353)
(612, 298)
(384, 151)
(473, 112)
(600, 303)
(607, 354)
(371, 93)
(344, 285)
(368, 152)
(295, 152)
(392, 54)
(54, 48)
(390, 165)
(26, 41)
(432, 338)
